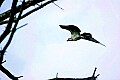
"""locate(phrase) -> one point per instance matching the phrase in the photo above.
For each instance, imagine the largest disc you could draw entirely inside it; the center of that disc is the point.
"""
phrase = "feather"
(75, 31)
(88, 36)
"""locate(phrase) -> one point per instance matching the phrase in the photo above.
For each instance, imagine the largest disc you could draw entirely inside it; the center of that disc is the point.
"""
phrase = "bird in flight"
(75, 34)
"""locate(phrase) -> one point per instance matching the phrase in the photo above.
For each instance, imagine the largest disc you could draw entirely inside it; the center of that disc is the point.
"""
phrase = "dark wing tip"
(60, 25)
(70, 27)
(63, 27)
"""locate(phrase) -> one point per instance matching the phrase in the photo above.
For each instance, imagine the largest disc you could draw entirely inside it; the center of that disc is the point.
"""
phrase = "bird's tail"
(94, 40)
(102, 44)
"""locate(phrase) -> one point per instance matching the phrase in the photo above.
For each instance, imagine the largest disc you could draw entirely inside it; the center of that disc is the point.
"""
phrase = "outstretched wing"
(75, 31)
(71, 28)
(88, 36)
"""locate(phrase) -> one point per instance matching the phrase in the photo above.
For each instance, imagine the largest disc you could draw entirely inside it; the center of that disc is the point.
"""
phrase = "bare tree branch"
(30, 12)
(4, 70)
(93, 77)
(1, 2)
(12, 14)
(28, 4)
(12, 34)
(7, 31)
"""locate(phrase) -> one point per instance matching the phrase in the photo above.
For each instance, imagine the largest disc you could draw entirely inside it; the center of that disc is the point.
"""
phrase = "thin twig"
(97, 75)
(3, 61)
(94, 72)
(58, 6)
(19, 77)
(21, 26)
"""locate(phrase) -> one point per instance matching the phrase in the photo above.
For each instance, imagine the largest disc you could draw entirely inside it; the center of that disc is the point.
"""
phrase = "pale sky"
(40, 50)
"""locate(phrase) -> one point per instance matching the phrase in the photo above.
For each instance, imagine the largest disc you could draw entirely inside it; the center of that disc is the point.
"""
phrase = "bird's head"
(70, 39)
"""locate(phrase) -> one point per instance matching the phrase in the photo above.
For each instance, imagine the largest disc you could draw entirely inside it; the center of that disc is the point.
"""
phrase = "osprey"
(75, 34)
